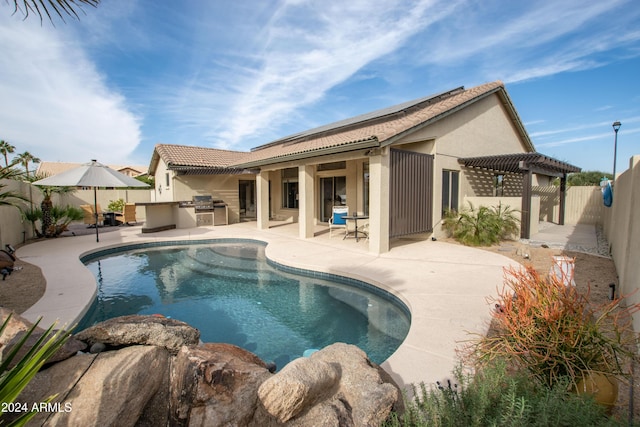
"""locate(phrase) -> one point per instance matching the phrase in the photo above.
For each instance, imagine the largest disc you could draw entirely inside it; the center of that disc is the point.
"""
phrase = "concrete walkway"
(587, 238)
(445, 286)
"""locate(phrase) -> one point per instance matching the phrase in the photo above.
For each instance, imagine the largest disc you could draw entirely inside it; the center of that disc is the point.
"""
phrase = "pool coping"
(444, 286)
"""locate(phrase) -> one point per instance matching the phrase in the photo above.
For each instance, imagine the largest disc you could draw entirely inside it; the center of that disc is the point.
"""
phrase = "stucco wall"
(163, 192)
(481, 129)
(15, 230)
(220, 187)
(583, 205)
(622, 229)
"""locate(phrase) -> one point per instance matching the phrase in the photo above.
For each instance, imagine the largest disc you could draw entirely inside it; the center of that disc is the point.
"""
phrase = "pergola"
(526, 164)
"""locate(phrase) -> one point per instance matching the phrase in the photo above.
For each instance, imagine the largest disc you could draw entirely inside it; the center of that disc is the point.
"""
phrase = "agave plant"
(15, 379)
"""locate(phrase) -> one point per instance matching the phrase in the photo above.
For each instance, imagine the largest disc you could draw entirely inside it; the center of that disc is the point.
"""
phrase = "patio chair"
(337, 221)
(89, 215)
(364, 229)
(128, 214)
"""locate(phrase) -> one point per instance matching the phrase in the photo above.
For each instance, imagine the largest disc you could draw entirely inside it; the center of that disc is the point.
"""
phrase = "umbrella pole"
(95, 210)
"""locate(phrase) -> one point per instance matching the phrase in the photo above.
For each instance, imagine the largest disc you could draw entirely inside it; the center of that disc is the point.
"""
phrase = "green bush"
(116, 205)
(483, 226)
(497, 397)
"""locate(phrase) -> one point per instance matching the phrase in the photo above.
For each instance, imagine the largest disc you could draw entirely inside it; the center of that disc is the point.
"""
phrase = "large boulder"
(301, 384)
(145, 330)
(15, 325)
(17, 328)
(215, 384)
(109, 389)
(336, 386)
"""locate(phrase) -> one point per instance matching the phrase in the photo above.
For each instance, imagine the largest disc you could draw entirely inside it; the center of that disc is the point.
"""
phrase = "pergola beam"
(526, 164)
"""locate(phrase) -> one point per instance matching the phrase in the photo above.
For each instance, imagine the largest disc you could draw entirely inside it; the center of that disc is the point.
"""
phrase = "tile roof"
(378, 128)
(183, 157)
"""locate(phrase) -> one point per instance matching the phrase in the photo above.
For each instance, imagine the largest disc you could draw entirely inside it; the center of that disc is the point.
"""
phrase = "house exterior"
(401, 166)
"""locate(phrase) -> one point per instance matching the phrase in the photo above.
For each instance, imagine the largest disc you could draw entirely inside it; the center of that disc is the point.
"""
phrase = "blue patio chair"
(337, 221)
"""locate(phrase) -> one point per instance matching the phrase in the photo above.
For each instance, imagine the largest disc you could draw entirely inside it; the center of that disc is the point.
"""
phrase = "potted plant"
(553, 331)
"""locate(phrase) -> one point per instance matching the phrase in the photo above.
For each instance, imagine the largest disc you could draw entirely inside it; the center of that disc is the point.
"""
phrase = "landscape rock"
(15, 331)
(215, 384)
(370, 392)
(301, 383)
(108, 389)
(70, 347)
(144, 330)
(360, 395)
(16, 324)
(145, 377)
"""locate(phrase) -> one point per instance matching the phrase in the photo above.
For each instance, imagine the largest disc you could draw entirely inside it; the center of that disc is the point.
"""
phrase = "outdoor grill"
(209, 211)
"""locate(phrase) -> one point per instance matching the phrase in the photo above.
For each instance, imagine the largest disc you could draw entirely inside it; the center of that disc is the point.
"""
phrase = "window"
(290, 188)
(332, 166)
(450, 183)
(166, 178)
(365, 188)
(498, 185)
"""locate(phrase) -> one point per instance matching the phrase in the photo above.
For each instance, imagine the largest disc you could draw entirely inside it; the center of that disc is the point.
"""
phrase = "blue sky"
(235, 75)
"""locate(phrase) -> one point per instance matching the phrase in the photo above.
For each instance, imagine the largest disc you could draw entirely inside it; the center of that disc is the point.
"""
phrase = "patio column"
(262, 200)
(379, 202)
(525, 216)
(563, 197)
(305, 201)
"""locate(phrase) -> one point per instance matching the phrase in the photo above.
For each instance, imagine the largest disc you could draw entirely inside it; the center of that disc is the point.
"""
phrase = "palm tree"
(9, 198)
(26, 158)
(6, 148)
(46, 207)
(60, 7)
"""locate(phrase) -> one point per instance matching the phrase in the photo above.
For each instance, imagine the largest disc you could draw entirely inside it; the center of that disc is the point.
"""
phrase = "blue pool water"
(231, 293)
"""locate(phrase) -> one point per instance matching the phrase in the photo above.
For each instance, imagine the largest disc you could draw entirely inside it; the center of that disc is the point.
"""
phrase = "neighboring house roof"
(380, 128)
(54, 168)
(193, 160)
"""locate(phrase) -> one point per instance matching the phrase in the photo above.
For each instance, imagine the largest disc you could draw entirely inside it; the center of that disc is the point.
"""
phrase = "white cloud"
(55, 104)
(305, 50)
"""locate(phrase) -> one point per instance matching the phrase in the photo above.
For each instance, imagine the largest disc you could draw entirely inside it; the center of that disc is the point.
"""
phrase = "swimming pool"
(232, 293)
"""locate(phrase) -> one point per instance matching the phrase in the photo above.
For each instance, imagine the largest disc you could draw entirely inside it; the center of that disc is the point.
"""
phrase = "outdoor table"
(110, 218)
(355, 219)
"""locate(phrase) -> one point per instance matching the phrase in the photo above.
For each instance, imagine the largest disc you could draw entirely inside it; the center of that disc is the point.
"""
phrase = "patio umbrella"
(94, 175)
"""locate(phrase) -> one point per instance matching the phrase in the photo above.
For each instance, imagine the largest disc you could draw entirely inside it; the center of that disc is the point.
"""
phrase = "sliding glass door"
(333, 192)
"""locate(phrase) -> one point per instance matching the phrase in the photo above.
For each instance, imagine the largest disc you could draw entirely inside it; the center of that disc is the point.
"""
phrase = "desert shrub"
(483, 226)
(495, 396)
(553, 332)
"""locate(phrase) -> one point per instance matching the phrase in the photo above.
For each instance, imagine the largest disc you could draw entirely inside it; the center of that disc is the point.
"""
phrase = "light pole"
(616, 127)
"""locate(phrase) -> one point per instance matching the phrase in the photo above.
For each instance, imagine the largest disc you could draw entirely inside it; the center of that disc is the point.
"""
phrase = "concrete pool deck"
(445, 286)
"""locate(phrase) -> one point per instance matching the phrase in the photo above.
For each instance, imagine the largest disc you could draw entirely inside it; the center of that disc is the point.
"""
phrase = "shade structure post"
(95, 210)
